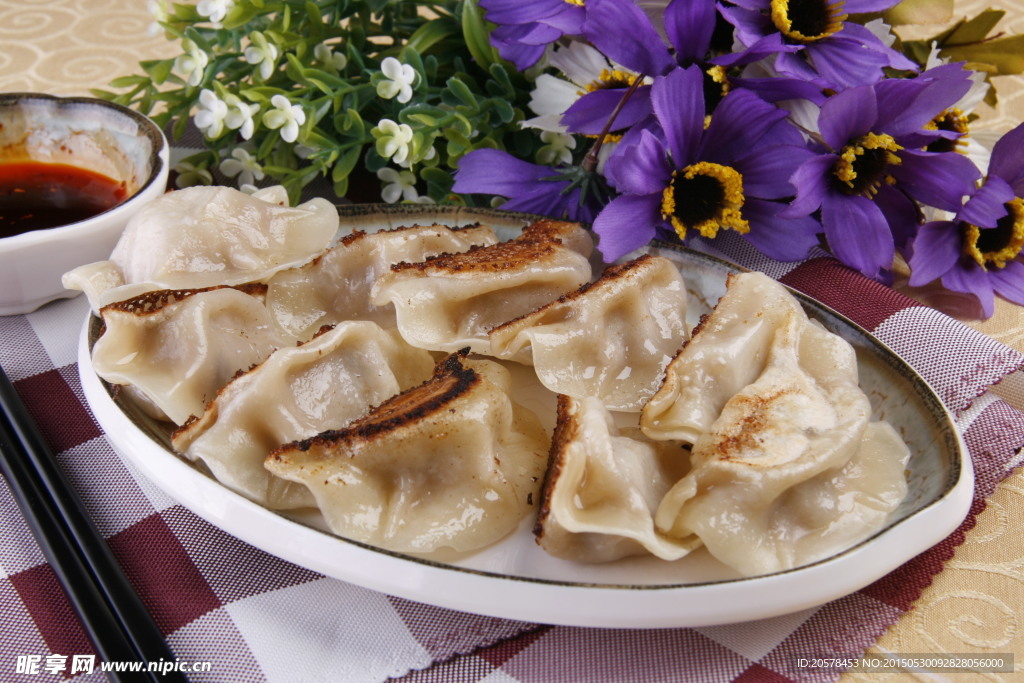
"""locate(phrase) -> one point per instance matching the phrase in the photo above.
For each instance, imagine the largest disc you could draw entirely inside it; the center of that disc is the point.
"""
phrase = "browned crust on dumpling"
(566, 430)
(358, 235)
(610, 276)
(538, 242)
(152, 302)
(451, 381)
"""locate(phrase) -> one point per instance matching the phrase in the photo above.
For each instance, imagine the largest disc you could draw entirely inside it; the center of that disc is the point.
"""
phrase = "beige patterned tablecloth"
(977, 603)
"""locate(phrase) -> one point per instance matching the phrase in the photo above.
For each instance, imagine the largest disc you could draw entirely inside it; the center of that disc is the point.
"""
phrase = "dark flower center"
(951, 120)
(805, 21)
(705, 197)
(716, 87)
(863, 164)
(999, 245)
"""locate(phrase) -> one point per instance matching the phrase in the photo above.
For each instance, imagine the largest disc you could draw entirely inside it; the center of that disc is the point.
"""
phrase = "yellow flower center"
(953, 120)
(805, 21)
(704, 197)
(999, 245)
(578, 3)
(863, 164)
(611, 78)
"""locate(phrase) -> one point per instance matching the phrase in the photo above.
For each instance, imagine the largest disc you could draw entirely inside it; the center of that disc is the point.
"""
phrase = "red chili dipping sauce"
(35, 195)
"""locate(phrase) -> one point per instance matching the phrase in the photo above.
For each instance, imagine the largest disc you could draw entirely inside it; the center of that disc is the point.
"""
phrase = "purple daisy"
(529, 187)
(684, 179)
(979, 252)
(526, 27)
(813, 41)
(872, 169)
(625, 34)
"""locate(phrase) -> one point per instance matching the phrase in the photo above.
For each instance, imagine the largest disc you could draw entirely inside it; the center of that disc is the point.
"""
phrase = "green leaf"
(129, 81)
(505, 111)
(158, 69)
(1005, 56)
(240, 15)
(461, 91)
(476, 35)
(346, 162)
(430, 34)
(919, 12)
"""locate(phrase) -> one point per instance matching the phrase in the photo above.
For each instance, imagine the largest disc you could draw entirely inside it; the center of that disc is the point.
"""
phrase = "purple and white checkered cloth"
(255, 617)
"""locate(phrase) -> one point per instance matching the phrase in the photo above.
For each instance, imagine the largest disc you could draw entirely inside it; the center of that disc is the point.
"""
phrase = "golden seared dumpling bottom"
(452, 463)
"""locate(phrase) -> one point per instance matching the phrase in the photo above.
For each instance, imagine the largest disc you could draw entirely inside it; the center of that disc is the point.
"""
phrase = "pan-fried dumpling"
(728, 350)
(611, 338)
(335, 286)
(452, 463)
(205, 236)
(298, 392)
(452, 301)
(178, 347)
(789, 470)
(603, 487)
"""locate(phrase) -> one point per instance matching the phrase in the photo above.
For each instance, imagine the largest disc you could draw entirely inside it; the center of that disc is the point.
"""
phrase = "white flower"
(393, 140)
(397, 185)
(264, 54)
(214, 10)
(585, 68)
(976, 145)
(399, 79)
(240, 115)
(558, 149)
(286, 116)
(160, 13)
(426, 156)
(243, 165)
(192, 64)
(189, 174)
(325, 54)
(210, 117)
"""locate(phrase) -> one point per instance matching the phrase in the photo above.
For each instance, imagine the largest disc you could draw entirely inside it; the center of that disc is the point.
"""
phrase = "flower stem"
(590, 160)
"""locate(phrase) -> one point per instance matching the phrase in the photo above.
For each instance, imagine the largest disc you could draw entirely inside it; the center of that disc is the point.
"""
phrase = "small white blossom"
(214, 10)
(286, 116)
(263, 54)
(192, 64)
(399, 79)
(558, 149)
(240, 115)
(211, 115)
(427, 156)
(243, 165)
(325, 54)
(160, 13)
(397, 185)
(393, 140)
(188, 174)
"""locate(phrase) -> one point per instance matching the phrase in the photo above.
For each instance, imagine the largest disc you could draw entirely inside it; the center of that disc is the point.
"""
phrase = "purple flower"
(680, 177)
(872, 170)
(623, 33)
(813, 41)
(526, 27)
(979, 252)
(529, 187)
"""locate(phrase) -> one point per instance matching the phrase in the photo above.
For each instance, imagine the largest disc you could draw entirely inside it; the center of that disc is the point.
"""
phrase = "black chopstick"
(113, 616)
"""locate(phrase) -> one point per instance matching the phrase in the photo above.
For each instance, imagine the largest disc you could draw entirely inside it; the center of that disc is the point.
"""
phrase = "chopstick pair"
(113, 616)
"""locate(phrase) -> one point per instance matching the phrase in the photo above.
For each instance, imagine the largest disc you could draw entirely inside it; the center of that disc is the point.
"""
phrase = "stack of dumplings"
(378, 378)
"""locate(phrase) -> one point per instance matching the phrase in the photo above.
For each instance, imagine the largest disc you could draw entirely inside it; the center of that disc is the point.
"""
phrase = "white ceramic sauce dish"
(90, 134)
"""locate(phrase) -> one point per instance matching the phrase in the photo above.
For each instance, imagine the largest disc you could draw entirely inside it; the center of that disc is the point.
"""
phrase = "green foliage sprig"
(326, 88)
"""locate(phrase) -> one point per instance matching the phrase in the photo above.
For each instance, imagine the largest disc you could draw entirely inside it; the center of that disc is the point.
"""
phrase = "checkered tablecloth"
(255, 617)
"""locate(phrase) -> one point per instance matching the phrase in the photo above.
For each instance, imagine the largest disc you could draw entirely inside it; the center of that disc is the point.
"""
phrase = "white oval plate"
(514, 578)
